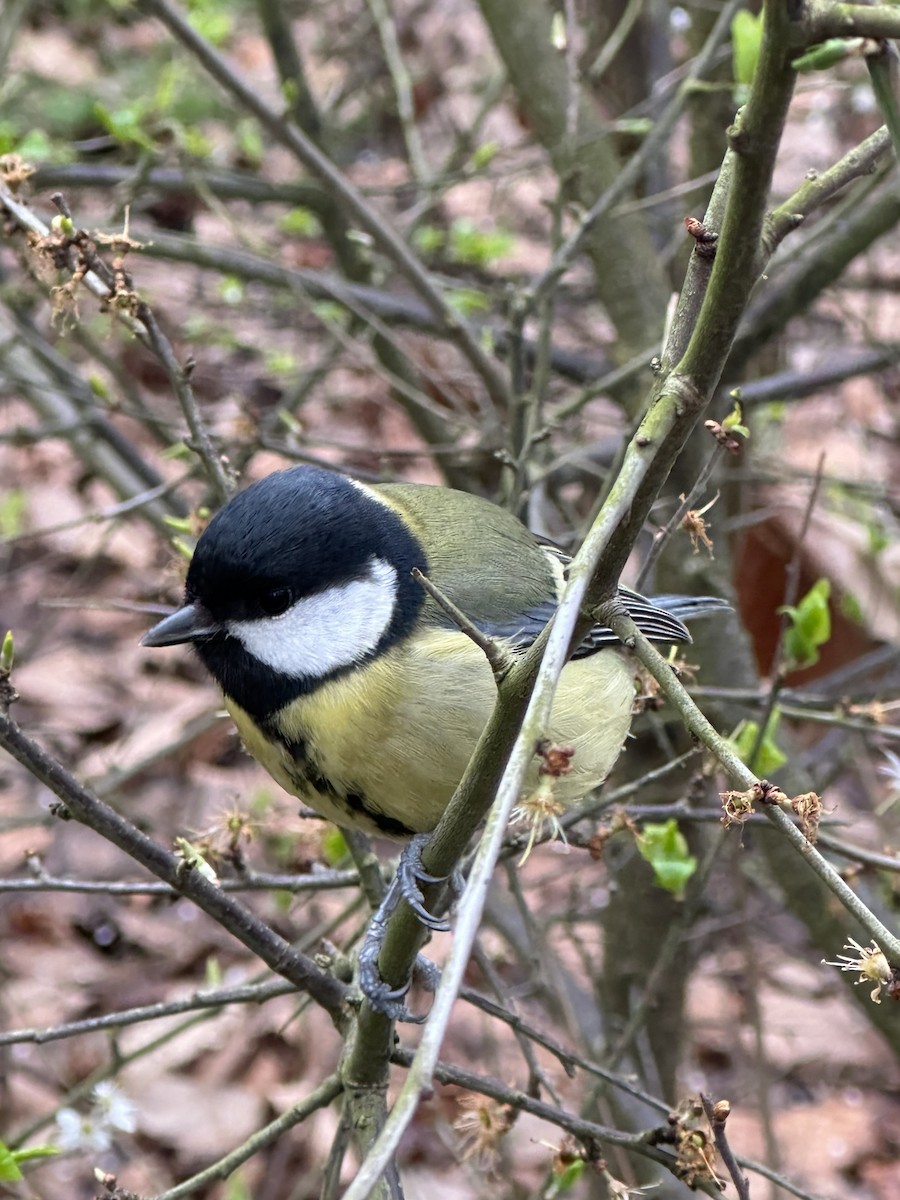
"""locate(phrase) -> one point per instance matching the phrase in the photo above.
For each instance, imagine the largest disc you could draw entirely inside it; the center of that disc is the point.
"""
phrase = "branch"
(252, 993)
(321, 1097)
(305, 150)
(71, 248)
(823, 20)
(229, 913)
(697, 724)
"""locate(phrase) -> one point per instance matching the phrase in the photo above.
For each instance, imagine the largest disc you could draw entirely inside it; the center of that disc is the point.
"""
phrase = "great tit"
(348, 683)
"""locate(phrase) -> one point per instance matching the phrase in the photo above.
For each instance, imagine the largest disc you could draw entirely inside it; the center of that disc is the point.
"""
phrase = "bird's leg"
(404, 886)
(411, 874)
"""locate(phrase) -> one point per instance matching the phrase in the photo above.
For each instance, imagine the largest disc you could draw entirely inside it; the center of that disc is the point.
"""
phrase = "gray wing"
(659, 619)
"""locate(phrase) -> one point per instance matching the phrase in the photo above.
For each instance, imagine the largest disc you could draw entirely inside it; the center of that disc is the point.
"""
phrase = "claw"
(409, 874)
(386, 1000)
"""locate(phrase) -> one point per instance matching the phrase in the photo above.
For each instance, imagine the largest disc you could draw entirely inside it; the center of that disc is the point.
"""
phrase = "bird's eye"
(275, 601)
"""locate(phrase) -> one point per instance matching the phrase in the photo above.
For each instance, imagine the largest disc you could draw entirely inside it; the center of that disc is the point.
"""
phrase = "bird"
(361, 693)
(351, 685)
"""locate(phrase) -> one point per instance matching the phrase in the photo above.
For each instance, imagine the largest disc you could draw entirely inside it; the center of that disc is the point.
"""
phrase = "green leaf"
(126, 124)
(34, 1153)
(9, 1167)
(36, 146)
(237, 1188)
(826, 54)
(300, 222)
(250, 141)
(809, 628)
(478, 247)
(428, 239)
(192, 858)
(7, 653)
(484, 155)
(282, 362)
(213, 974)
(566, 1179)
(746, 39)
(10, 1160)
(878, 536)
(334, 848)
(851, 608)
(466, 301)
(770, 756)
(12, 513)
(734, 422)
(231, 289)
(665, 848)
(210, 20)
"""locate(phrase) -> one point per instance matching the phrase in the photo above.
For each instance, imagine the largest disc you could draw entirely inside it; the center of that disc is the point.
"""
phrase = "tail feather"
(660, 619)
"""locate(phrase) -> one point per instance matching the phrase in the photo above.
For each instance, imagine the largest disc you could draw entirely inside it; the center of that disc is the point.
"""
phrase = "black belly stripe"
(389, 826)
(310, 773)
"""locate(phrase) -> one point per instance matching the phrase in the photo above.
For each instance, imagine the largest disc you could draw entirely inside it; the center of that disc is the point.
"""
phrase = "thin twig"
(219, 998)
(662, 536)
(327, 1091)
(498, 657)
(233, 916)
(791, 595)
(717, 1114)
(338, 185)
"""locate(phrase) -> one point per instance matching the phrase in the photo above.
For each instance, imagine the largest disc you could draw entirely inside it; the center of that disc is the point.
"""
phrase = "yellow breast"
(384, 747)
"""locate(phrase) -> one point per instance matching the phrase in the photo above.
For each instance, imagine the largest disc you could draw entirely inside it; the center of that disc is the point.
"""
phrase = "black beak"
(189, 624)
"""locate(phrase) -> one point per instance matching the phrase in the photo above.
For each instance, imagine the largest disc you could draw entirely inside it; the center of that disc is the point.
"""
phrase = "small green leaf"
(826, 54)
(237, 1188)
(182, 524)
(34, 1153)
(334, 848)
(126, 124)
(746, 39)
(466, 301)
(10, 1160)
(665, 848)
(250, 141)
(329, 312)
(9, 1167)
(192, 858)
(484, 155)
(281, 362)
(12, 513)
(565, 1180)
(734, 422)
(194, 143)
(478, 247)
(428, 239)
(36, 146)
(769, 757)
(878, 537)
(177, 451)
(300, 222)
(98, 386)
(809, 628)
(851, 608)
(7, 653)
(209, 19)
(231, 289)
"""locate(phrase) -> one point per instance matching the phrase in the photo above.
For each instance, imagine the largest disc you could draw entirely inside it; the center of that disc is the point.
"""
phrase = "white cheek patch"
(322, 633)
